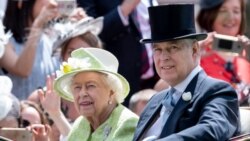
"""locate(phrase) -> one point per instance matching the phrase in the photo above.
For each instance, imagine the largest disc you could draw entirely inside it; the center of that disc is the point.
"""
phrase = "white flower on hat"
(73, 64)
(76, 63)
(187, 96)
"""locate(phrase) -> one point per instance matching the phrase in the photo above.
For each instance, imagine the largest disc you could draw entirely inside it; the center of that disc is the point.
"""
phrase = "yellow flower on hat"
(66, 67)
(77, 63)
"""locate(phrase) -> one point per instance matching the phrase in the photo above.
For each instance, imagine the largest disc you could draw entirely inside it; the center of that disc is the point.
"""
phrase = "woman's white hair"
(115, 84)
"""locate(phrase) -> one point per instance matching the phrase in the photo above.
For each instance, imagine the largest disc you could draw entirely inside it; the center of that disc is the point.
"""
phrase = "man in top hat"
(196, 106)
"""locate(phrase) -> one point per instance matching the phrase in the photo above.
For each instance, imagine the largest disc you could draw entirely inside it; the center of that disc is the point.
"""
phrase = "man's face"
(174, 60)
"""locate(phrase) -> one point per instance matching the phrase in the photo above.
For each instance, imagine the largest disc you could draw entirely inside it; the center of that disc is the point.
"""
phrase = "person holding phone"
(27, 59)
(226, 17)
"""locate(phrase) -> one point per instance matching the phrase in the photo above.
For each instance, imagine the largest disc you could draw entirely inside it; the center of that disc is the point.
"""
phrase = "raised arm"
(22, 65)
(51, 103)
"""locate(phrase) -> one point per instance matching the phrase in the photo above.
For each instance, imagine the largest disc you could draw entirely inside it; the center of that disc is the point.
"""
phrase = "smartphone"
(17, 134)
(66, 7)
(227, 44)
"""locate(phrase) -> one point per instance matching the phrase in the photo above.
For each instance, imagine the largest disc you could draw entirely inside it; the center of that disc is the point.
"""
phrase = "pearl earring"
(109, 102)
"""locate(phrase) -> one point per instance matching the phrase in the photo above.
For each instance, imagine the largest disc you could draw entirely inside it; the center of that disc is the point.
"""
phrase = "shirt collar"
(182, 86)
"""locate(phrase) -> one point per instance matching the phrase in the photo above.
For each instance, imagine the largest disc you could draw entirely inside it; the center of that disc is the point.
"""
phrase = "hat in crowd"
(5, 85)
(71, 30)
(172, 22)
(208, 4)
(5, 105)
(89, 59)
(5, 99)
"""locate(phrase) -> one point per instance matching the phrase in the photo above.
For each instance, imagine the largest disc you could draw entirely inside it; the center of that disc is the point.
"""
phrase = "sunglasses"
(23, 122)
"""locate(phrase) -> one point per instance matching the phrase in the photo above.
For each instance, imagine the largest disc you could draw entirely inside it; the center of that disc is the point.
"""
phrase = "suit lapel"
(180, 107)
(149, 116)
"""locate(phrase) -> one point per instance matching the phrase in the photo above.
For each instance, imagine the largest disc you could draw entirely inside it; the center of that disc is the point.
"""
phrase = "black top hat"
(172, 22)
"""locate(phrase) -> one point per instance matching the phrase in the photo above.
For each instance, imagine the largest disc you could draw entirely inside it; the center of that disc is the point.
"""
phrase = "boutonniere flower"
(187, 96)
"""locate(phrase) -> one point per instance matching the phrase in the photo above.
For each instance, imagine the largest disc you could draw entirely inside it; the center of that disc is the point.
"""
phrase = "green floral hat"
(88, 59)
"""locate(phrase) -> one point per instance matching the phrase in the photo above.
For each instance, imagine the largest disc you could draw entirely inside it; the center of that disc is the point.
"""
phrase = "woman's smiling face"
(91, 93)
(228, 20)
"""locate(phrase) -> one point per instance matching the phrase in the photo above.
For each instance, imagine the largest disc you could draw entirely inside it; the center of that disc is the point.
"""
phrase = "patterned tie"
(168, 104)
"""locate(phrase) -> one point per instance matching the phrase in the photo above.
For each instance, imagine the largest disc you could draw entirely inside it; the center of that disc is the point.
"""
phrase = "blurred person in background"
(31, 113)
(226, 17)
(161, 85)
(140, 99)
(2, 8)
(4, 39)
(25, 20)
(27, 59)
(248, 17)
(9, 106)
(125, 22)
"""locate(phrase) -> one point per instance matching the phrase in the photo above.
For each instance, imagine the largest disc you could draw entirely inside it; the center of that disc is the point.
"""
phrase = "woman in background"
(226, 17)
(27, 58)
(26, 19)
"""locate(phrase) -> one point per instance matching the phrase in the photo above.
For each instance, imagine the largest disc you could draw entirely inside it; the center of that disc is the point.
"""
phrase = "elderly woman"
(90, 79)
(84, 36)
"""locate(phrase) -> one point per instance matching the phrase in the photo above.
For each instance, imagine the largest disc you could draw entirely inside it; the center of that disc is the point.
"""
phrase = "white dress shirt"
(154, 131)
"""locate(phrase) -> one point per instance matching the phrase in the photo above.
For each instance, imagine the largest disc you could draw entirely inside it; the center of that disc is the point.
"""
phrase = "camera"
(17, 134)
(226, 43)
(66, 7)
